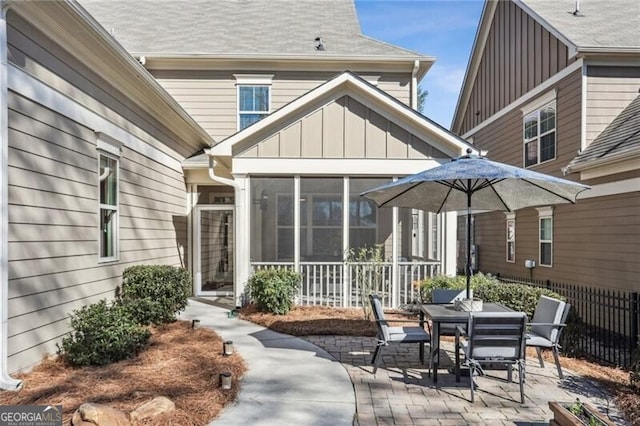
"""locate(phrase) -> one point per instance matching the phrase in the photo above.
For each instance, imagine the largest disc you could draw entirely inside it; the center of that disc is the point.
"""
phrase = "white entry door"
(214, 256)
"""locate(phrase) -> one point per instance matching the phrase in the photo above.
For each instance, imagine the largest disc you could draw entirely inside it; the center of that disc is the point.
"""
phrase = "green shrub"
(366, 264)
(102, 334)
(458, 282)
(519, 297)
(273, 290)
(155, 294)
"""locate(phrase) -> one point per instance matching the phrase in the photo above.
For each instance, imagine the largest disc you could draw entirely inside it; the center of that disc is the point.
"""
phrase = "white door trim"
(197, 281)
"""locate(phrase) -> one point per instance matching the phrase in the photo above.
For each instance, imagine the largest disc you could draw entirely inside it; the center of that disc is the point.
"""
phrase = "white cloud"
(444, 78)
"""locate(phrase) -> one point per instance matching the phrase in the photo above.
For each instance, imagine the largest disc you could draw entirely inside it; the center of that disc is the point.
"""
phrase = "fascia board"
(627, 157)
(102, 52)
(482, 34)
(346, 83)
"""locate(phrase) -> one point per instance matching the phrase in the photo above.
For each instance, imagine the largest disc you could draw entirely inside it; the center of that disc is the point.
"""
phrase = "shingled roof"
(239, 27)
(618, 140)
(595, 24)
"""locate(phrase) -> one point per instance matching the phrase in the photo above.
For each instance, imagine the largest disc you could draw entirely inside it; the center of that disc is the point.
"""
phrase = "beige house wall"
(54, 263)
(344, 128)
(609, 90)
(210, 97)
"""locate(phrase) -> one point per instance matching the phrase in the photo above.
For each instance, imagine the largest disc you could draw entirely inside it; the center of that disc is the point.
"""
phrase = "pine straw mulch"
(181, 363)
(321, 320)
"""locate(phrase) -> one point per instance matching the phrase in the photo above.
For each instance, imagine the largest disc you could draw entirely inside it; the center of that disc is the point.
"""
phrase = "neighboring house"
(238, 136)
(555, 89)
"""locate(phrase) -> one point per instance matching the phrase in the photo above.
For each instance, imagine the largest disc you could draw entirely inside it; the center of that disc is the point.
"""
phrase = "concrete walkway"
(326, 380)
(289, 381)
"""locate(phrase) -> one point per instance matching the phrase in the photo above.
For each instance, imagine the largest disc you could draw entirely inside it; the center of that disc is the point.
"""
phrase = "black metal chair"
(388, 335)
(493, 340)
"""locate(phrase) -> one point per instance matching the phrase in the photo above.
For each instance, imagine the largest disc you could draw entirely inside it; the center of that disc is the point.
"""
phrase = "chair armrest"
(399, 320)
(554, 324)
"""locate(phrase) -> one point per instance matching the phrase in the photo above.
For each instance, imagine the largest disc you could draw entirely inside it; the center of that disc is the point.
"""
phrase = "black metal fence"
(608, 319)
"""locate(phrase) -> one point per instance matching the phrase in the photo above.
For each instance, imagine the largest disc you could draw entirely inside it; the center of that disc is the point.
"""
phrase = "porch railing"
(339, 284)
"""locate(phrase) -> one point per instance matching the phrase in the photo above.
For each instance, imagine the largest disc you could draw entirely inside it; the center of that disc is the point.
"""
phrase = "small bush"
(102, 334)
(272, 290)
(458, 282)
(155, 294)
(519, 297)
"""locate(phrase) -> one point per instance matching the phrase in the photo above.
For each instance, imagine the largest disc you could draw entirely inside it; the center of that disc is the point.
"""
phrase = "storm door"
(214, 250)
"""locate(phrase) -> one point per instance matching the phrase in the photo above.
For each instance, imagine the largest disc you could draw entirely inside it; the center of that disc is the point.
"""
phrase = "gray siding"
(53, 199)
(210, 96)
(609, 91)
(344, 128)
(519, 55)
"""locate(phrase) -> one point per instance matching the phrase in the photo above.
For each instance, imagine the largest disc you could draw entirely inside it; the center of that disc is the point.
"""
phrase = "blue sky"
(441, 28)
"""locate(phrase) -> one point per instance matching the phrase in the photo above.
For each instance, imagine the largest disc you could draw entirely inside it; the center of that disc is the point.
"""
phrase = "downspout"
(414, 85)
(219, 179)
(6, 381)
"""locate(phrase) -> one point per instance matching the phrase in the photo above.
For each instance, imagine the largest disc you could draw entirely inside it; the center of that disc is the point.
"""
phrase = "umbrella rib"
(549, 191)
(400, 194)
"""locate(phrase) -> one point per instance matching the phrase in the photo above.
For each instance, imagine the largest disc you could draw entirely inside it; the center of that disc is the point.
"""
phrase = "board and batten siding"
(609, 90)
(519, 54)
(210, 97)
(53, 218)
(344, 128)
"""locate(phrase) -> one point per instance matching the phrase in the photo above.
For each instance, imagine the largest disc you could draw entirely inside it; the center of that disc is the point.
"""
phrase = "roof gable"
(359, 101)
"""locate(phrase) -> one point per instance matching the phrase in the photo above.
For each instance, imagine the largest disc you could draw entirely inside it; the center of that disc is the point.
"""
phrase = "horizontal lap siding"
(609, 91)
(210, 97)
(594, 243)
(53, 202)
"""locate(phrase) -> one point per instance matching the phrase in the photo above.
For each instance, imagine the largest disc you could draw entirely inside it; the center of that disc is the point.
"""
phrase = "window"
(540, 135)
(511, 238)
(545, 217)
(254, 98)
(108, 175)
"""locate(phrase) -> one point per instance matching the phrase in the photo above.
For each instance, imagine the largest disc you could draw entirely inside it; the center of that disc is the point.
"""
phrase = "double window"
(254, 98)
(108, 176)
(540, 135)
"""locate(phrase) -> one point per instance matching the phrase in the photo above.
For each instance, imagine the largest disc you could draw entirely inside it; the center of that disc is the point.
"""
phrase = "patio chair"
(493, 340)
(549, 319)
(391, 335)
(443, 296)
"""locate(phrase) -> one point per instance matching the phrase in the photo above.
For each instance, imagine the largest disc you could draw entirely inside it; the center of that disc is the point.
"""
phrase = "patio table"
(440, 314)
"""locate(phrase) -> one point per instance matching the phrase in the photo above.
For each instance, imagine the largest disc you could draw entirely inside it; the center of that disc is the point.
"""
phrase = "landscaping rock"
(99, 415)
(158, 405)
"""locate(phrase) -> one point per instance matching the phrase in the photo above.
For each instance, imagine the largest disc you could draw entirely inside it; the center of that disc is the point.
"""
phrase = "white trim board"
(331, 166)
(611, 188)
(34, 89)
(546, 85)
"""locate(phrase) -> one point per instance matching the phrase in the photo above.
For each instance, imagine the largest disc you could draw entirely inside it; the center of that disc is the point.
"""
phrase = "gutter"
(216, 178)
(6, 381)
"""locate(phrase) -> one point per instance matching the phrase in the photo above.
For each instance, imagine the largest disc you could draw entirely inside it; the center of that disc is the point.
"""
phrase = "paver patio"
(403, 393)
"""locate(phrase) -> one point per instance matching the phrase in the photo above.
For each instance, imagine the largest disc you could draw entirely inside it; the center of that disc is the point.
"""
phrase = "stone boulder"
(99, 415)
(151, 408)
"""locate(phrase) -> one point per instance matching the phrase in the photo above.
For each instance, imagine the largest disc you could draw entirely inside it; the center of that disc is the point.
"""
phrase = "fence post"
(635, 318)
(548, 284)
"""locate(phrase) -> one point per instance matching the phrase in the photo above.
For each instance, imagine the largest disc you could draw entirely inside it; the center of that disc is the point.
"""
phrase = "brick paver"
(403, 393)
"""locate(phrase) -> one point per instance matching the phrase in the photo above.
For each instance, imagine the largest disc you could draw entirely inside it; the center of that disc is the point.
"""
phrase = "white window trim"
(510, 217)
(256, 80)
(116, 208)
(539, 102)
(539, 134)
(544, 213)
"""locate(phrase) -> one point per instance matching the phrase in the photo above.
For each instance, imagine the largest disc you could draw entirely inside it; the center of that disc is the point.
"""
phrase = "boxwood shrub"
(155, 294)
(102, 334)
(273, 290)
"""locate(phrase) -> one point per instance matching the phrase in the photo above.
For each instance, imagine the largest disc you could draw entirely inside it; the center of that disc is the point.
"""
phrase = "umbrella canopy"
(470, 183)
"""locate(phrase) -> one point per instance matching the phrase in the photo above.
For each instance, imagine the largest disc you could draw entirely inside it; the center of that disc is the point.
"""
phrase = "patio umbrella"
(473, 182)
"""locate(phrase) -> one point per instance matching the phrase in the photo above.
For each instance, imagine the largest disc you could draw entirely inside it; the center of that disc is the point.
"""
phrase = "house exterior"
(555, 89)
(217, 138)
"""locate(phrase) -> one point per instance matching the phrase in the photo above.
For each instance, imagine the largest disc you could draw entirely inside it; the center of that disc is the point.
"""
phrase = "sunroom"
(284, 192)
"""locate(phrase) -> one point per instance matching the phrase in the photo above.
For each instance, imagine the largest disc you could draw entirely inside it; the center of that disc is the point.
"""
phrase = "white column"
(296, 223)
(395, 299)
(345, 242)
(242, 230)
(449, 240)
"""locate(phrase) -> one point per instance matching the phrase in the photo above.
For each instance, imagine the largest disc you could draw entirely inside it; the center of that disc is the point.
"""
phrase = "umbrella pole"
(468, 266)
